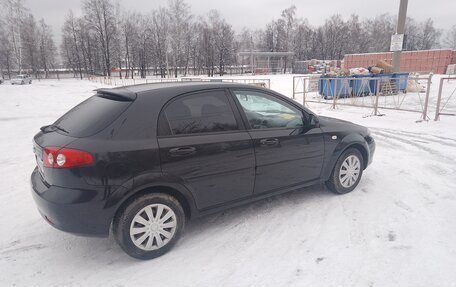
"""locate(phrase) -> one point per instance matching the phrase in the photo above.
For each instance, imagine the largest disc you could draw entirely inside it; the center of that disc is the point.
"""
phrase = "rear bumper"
(77, 211)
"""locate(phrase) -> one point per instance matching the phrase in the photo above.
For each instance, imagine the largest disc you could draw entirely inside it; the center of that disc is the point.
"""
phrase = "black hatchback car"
(143, 159)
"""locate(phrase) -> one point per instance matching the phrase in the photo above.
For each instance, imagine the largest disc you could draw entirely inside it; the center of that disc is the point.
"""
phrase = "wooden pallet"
(388, 88)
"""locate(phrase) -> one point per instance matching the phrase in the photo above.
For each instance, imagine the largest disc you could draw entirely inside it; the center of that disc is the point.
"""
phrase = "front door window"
(264, 111)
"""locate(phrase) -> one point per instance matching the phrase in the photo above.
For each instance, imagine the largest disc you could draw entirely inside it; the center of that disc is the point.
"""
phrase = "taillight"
(56, 157)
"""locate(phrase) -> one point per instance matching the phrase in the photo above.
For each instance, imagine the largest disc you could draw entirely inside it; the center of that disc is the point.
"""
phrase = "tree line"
(25, 43)
(171, 41)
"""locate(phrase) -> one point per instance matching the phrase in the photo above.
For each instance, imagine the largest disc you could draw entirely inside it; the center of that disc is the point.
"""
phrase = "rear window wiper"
(53, 127)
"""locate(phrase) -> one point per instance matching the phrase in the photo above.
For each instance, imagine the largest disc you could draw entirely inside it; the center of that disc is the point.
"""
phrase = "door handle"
(269, 142)
(181, 151)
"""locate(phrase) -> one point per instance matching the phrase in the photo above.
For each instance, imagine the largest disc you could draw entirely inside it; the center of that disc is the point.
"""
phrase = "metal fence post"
(377, 94)
(294, 88)
(334, 94)
(303, 91)
(439, 99)
(426, 100)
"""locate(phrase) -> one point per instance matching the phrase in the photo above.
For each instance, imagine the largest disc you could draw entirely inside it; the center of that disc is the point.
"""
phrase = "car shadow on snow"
(247, 214)
(106, 251)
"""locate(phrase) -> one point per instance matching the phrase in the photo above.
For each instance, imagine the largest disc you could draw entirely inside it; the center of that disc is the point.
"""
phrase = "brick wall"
(435, 61)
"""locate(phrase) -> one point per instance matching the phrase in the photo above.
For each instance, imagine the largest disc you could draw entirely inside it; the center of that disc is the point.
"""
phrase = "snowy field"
(398, 228)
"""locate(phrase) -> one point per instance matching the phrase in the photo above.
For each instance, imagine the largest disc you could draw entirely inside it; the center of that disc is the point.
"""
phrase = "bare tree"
(29, 40)
(222, 38)
(117, 50)
(6, 55)
(47, 49)
(72, 43)
(129, 34)
(100, 16)
(245, 42)
(302, 40)
(379, 31)
(358, 40)
(201, 43)
(143, 49)
(336, 35)
(172, 41)
(179, 22)
(429, 35)
(449, 40)
(289, 23)
(412, 32)
(161, 39)
(15, 14)
(85, 39)
(268, 37)
(207, 46)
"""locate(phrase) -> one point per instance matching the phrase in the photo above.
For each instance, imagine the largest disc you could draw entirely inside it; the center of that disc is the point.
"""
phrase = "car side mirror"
(313, 121)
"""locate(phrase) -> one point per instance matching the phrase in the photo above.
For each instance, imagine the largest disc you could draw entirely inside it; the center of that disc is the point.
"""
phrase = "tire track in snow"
(22, 249)
(390, 136)
(437, 163)
(420, 137)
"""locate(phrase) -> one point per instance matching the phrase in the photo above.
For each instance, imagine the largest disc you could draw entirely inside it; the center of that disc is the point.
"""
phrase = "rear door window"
(91, 116)
(204, 112)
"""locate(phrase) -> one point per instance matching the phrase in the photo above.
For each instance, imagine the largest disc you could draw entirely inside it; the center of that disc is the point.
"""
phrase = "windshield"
(91, 116)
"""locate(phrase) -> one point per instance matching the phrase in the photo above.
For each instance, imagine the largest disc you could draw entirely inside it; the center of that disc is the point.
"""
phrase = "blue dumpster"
(401, 80)
(327, 86)
(362, 85)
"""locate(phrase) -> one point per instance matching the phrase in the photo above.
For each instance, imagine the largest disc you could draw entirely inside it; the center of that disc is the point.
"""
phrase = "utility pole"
(251, 55)
(400, 29)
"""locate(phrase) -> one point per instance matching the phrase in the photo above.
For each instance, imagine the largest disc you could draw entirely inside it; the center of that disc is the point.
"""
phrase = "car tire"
(132, 222)
(22, 83)
(347, 172)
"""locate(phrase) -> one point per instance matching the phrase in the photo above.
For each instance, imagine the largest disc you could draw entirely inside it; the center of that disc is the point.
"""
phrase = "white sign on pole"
(397, 41)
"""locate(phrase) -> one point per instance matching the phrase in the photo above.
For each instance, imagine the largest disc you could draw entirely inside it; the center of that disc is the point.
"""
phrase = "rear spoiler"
(117, 94)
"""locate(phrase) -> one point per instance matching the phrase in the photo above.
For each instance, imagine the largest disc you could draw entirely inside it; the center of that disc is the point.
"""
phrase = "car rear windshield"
(91, 116)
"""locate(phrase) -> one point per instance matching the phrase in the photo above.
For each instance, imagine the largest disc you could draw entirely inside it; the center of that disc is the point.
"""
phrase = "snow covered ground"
(398, 228)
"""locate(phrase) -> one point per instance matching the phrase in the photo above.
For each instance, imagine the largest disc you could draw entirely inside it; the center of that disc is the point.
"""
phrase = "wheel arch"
(187, 203)
(340, 149)
(362, 150)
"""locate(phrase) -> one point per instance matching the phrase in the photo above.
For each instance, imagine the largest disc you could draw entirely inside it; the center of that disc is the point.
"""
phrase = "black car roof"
(169, 88)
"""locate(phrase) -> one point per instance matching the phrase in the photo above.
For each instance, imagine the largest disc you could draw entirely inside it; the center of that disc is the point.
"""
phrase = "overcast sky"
(255, 14)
